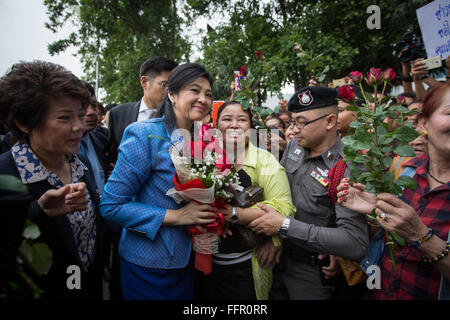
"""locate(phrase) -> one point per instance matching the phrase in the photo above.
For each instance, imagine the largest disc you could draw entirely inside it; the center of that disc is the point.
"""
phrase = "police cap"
(312, 98)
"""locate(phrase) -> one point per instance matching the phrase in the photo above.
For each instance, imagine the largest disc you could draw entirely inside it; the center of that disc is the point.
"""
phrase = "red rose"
(297, 47)
(389, 75)
(205, 132)
(243, 71)
(259, 55)
(356, 77)
(195, 149)
(222, 162)
(213, 145)
(346, 93)
(374, 77)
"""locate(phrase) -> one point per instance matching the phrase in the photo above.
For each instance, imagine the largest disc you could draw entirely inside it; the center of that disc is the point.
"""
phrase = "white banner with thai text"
(434, 24)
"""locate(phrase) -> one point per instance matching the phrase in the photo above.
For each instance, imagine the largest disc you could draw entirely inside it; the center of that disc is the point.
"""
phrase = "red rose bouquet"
(203, 174)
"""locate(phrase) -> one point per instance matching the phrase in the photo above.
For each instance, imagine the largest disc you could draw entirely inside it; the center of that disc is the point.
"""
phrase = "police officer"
(320, 228)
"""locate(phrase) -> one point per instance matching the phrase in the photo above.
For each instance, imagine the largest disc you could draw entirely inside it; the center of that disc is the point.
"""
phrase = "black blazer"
(119, 118)
(57, 234)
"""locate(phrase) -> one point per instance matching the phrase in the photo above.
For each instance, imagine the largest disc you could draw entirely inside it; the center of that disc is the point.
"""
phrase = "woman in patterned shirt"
(45, 107)
(421, 216)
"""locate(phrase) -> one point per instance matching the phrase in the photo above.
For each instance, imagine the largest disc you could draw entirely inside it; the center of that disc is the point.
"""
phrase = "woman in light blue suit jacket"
(155, 247)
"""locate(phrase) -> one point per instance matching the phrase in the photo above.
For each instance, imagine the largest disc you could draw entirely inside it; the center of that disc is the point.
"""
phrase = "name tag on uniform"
(293, 157)
(319, 178)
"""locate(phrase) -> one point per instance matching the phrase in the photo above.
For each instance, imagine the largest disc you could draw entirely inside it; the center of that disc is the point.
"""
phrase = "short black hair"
(154, 66)
(27, 89)
(90, 88)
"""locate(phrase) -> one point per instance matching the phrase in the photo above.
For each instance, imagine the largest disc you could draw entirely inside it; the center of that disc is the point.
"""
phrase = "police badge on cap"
(305, 98)
(312, 98)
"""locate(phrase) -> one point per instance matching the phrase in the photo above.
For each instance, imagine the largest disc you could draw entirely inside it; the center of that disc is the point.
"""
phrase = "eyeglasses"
(161, 83)
(303, 124)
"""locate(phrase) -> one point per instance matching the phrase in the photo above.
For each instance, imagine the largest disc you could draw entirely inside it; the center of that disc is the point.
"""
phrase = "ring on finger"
(383, 215)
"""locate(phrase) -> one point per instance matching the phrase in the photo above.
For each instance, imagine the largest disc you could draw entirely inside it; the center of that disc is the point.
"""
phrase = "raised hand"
(70, 198)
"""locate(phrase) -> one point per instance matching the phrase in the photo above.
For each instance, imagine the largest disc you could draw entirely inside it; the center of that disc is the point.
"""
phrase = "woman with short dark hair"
(45, 106)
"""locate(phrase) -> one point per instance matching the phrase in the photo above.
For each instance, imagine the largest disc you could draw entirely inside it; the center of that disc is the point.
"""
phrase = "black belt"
(299, 254)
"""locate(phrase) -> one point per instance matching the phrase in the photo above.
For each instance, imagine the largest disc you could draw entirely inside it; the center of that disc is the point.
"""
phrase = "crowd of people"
(98, 186)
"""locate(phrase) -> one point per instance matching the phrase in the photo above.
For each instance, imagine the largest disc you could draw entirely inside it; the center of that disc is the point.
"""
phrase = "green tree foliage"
(333, 35)
(121, 35)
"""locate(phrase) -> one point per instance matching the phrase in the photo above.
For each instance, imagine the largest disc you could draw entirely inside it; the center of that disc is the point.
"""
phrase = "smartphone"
(433, 63)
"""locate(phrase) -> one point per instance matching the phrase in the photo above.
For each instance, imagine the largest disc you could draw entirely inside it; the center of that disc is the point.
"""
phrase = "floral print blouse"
(83, 226)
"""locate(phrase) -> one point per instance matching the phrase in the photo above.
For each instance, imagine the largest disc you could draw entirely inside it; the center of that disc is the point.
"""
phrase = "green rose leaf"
(387, 162)
(348, 141)
(363, 135)
(381, 130)
(370, 188)
(406, 134)
(360, 159)
(386, 139)
(388, 148)
(352, 108)
(364, 175)
(354, 173)
(400, 109)
(405, 151)
(406, 182)
(395, 189)
(356, 124)
(359, 145)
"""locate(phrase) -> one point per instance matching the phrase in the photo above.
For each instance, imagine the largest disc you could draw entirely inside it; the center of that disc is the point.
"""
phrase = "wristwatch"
(282, 231)
(234, 216)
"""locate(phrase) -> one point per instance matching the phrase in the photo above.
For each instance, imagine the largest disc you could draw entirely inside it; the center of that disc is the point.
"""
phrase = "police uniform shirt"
(310, 229)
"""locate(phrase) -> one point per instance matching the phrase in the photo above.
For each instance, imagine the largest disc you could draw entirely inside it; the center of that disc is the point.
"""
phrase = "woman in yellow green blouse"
(243, 269)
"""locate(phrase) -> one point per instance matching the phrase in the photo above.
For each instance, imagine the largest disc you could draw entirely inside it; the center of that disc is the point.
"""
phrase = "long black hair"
(180, 77)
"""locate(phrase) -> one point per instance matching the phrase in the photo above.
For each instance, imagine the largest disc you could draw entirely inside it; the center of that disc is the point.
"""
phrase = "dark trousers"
(230, 282)
(115, 287)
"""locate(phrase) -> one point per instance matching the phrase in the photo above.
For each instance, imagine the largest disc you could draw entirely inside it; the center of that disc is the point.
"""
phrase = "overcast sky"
(24, 37)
